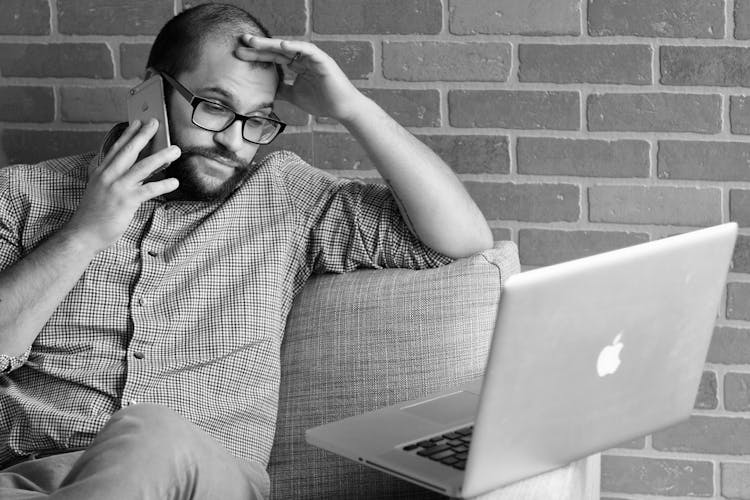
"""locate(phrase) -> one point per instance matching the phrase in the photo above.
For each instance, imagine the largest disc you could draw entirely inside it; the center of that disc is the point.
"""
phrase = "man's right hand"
(116, 187)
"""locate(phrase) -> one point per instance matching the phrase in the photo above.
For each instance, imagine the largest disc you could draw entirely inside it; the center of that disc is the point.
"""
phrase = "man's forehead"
(222, 74)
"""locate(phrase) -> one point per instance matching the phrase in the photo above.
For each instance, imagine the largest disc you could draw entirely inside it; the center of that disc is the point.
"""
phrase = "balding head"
(178, 46)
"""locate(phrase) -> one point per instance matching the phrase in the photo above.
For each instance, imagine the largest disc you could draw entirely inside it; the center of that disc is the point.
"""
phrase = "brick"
(501, 234)
(387, 17)
(682, 206)
(25, 17)
(509, 17)
(706, 399)
(32, 146)
(582, 157)
(290, 114)
(410, 108)
(64, 60)
(554, 63)
(133, 58)
(104, 17)
(649, 476)
(655, 113)
(715, 66)
(736, 395)
(738, 301)
(354, 58)
(741, 257)
(527, 202)
(543, 247)
(514, 109)
(739, 206)
(665, 18)
(280, 17)
(94, 104)
(742, 19)
(735, 481)
(704, 160)
(739, 114)
(471, 154)
(729, 346)
(299, 143)
(27, 104)
(702, 434)
(446, 61)
(339, 151)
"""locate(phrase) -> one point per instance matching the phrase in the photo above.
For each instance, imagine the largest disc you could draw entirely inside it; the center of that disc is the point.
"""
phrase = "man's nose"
(231, 137)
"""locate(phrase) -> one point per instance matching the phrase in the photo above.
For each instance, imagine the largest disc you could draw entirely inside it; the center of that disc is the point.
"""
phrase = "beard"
(195, 185)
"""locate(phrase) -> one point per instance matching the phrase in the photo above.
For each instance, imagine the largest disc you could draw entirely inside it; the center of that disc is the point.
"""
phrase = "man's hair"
(179, 44)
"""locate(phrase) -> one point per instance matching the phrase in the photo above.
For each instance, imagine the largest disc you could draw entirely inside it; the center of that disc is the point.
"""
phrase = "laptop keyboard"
(450, 448)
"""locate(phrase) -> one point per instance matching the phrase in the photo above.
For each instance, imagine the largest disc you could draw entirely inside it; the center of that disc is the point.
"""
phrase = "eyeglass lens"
(217, 118)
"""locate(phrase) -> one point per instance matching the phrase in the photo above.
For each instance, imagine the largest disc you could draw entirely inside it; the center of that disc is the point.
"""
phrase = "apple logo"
(609, 359)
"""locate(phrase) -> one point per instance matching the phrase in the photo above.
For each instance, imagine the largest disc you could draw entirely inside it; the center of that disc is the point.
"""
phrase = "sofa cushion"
(359, 341)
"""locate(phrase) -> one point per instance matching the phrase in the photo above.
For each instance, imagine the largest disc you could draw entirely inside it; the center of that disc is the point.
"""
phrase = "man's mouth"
(220, 160)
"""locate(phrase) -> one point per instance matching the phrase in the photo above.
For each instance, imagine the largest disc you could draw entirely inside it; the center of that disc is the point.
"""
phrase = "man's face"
(213, 163)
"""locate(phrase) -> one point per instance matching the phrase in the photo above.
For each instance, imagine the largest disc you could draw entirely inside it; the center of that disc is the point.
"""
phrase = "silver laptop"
(585, 355)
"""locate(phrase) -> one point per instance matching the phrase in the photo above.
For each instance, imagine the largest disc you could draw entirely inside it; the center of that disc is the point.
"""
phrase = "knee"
(154, 430)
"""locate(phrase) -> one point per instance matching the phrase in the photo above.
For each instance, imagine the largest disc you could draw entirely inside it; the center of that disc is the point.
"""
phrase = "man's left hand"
(320, 88)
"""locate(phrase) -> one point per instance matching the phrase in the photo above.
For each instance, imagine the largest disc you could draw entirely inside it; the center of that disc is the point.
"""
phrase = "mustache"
(222, 156)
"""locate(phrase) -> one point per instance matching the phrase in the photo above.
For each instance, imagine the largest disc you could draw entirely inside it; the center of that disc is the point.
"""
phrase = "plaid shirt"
(187, 309)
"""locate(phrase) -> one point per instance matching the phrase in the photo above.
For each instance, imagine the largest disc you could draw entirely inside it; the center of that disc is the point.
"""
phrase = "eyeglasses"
(215, 117)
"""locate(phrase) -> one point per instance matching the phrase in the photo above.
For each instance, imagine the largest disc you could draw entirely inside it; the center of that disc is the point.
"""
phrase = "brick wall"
(579, 126)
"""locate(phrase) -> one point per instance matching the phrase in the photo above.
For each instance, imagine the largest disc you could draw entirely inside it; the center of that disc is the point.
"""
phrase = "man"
(141, 317)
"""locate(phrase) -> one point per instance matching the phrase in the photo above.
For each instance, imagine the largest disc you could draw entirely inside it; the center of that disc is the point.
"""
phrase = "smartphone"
(146, 101)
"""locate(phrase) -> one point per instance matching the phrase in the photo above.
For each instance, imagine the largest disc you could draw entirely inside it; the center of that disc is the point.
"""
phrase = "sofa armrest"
(363, 340)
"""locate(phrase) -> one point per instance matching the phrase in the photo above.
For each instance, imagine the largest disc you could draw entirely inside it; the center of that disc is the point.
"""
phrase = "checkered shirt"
(188, 308)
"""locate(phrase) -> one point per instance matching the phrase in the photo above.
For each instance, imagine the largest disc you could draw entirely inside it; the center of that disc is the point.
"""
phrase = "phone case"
(147, 101)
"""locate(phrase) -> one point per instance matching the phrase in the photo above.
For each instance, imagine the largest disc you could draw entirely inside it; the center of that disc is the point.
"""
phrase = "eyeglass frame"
(195, 100)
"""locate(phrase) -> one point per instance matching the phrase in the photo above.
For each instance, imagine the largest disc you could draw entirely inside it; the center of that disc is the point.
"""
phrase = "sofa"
(371, 338)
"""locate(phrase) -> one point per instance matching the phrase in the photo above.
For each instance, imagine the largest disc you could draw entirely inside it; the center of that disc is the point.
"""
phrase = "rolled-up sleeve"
(10, 224)
(10, 253)
(350, 224)
(361, 226)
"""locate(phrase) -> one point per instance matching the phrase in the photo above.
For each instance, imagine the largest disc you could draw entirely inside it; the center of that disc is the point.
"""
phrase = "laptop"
(585, 355)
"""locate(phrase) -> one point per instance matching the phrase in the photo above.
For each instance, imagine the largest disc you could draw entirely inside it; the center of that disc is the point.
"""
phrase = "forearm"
(32, 288)
(431, 198)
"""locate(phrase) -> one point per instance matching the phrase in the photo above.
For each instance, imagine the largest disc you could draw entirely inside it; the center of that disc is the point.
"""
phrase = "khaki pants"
(144, 452)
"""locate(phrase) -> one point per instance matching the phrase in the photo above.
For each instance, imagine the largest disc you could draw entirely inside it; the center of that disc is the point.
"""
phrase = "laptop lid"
(590, 353)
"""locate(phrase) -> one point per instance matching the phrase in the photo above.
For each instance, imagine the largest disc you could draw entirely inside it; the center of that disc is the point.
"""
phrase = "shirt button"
(138, 355)
(152, 253)
(129, 402)
(141, 301)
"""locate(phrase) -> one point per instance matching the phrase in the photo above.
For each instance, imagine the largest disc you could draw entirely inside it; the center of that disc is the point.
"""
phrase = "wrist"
(79, 241)
(357, 108)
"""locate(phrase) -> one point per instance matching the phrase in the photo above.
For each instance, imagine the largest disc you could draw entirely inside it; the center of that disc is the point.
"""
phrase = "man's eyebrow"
(230, 97)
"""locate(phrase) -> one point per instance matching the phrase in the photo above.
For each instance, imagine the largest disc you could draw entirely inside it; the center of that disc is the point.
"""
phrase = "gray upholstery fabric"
(359, 341)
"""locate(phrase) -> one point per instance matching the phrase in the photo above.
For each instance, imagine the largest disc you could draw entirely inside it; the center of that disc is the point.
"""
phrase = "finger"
(285, 47)
(157, 188)
(128, 153)
(148, 165)
(253, 55)
(126, 135)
